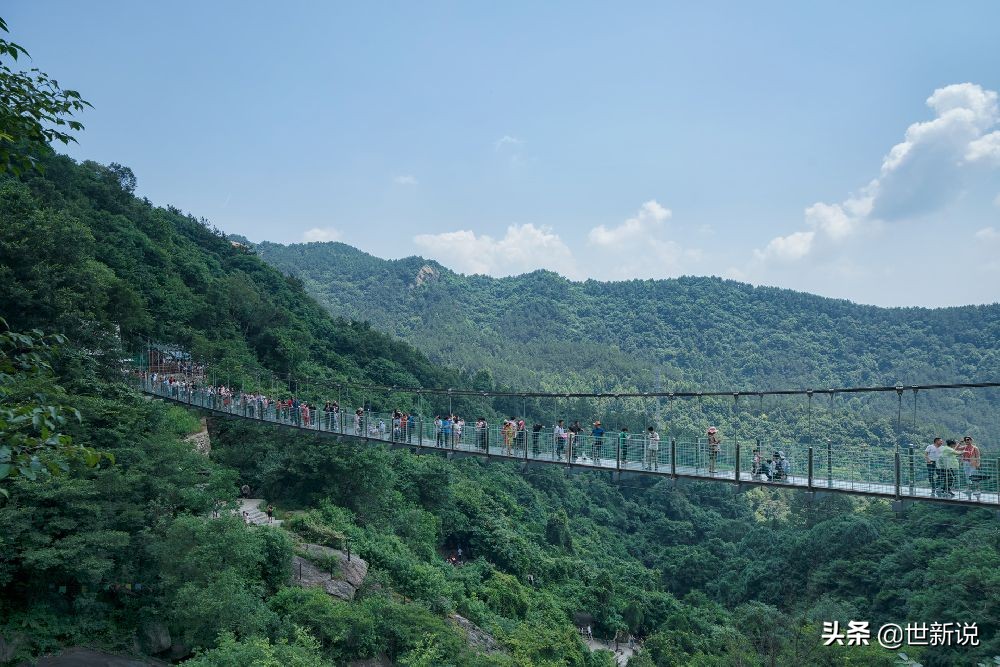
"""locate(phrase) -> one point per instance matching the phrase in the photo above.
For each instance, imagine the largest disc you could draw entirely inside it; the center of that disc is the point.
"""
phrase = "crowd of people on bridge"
(944, 459)
(953, 465)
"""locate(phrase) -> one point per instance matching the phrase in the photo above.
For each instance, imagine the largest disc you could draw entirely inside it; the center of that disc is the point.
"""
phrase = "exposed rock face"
(9, 646)
(478, 639)
(154, 637)
(426, 274)
(85, 657)
(200, 440)
(348, 574)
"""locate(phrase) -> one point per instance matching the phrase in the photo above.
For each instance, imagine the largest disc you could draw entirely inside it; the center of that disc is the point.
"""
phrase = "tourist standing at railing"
(507, 431)
(714, 447)
(757, 467)
(947, 467)
(652, 449)
(446, 428)
(522, 436)
(971, 460)
(598, 434)
(458, 425)
(358, 426)
(536, 433)
(574, 435)
(623, 445)
(483, 433)
(931, 454)
(560, 438)
(411, 423)
(438, 430)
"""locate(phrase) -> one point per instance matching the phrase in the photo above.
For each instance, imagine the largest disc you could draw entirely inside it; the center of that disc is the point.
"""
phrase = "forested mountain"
(706, 574)
(712, 332)
(542, 331)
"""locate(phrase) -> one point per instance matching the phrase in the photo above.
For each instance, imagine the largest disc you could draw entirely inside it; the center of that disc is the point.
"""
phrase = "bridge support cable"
(860, 472)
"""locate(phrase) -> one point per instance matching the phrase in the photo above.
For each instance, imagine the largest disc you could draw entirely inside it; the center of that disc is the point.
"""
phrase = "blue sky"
(851, 149)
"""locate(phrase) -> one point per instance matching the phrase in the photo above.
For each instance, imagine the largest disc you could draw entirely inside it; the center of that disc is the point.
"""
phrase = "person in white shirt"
(559, 434)
(931, 455)
(652, 449)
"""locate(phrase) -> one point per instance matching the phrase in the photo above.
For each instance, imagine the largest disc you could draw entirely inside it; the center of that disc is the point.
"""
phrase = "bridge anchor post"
(673, 457)
(809, 479)
(736, 475)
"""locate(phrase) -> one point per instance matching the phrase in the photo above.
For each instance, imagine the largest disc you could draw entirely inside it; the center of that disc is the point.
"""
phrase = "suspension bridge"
(900, 474)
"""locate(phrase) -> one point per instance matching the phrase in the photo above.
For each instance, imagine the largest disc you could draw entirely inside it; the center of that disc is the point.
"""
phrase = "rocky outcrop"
(154, 637)
(79, 656)
(477, 638)
(200, 440)
(313, 565)
(426, 274)
(9, 646)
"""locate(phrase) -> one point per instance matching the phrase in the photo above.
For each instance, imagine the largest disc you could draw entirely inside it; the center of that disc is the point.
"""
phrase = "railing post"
(912, 472)
(898, 466)
(737, 475)
(809, 482)
(673, 457)
(829, 463)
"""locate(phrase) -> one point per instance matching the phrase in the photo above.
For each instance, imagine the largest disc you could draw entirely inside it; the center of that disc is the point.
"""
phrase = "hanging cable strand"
(661, 394)
(332, 384)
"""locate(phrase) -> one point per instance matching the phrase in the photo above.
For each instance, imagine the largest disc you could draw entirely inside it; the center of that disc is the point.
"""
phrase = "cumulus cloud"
(523, 248)
(405, 180)
(650, 218)
(922, 173)
(985, 148)
(640, 247)
(321, 234)
(789, 248)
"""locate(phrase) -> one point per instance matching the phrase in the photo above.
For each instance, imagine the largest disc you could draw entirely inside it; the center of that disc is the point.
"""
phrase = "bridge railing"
(886, 471)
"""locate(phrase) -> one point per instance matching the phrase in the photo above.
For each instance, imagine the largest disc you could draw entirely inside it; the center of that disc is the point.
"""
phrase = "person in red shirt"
(971, 459)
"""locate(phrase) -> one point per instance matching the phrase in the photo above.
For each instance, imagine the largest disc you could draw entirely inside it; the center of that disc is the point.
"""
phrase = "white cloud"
(523, 248)
(922, 173)
(507, 140)
(640, 248)
(925, 170)
(989, 234)
(787, 248)
(321, 234)
(650, 219)
(986, 147)
(405, 180)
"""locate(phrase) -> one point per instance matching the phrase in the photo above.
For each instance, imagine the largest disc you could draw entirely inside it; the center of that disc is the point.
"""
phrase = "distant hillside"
(710, 332)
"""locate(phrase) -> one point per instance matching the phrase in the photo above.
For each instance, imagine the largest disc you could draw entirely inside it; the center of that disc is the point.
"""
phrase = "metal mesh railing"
(893, 472)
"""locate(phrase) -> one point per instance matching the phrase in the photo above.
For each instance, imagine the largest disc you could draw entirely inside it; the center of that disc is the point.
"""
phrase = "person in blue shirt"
(446, 430)
(598, 434)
